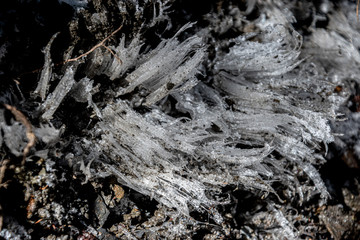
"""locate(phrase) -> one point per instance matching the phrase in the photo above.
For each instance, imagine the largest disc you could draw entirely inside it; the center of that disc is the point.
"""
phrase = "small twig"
(2, 173)
(112, 53)
(29, 133)
(100, 44)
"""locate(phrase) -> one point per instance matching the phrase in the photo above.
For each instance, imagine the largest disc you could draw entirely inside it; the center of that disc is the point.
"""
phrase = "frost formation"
(170, 132)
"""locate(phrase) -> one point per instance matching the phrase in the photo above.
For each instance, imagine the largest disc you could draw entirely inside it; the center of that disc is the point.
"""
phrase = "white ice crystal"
(75, 3)
(46, 72)
(264, 108)
(55, 98)
(178, 160)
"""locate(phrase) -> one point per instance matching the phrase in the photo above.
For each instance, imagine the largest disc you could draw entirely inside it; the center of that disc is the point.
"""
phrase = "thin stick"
(100, 44)
(2, 173)
(111, 51)
(29, 133)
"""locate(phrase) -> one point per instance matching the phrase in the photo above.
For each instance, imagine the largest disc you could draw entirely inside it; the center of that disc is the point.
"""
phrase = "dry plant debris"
(100, 44)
